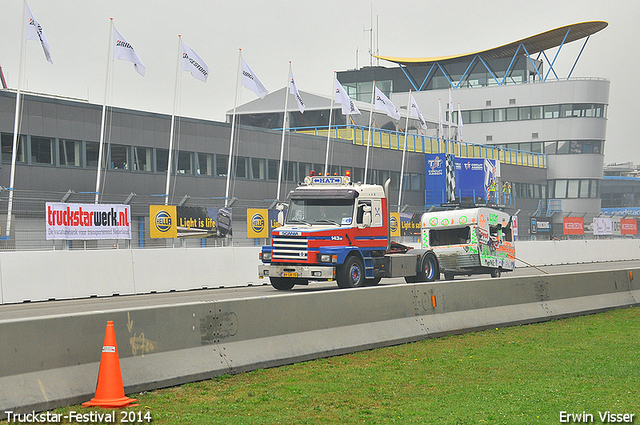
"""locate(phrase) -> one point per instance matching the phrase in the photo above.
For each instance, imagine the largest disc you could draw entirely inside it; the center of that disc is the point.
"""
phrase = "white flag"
(193, 63)
(252, 82)
(123, 50)
(293, 89)
(384, 104)
(415, 112)
(35, 32)
(348, 107)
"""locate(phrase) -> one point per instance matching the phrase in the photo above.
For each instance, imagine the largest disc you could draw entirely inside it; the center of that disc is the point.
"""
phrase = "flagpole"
(173, 119)
(450, 120)
(16, 121)
(104, 109)
(404, 151)
(459, 123)
(284, 128)
(333, 95)
(233, 125)
(373, 104)
(440, 125)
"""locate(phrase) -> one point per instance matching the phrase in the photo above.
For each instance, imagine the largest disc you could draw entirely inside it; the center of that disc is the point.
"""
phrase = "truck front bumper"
(297, 271)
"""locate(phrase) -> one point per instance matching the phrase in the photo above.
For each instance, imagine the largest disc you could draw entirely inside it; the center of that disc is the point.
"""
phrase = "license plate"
(289, 274)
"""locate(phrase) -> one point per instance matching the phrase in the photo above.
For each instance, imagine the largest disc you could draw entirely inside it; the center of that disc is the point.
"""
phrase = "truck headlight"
(266, 256)
(328, 258)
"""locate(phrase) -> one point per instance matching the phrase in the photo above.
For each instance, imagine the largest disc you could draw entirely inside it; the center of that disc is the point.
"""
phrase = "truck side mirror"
(366, 217)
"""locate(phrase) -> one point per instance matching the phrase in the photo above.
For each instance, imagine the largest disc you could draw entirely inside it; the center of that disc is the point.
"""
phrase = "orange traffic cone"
(109, 389)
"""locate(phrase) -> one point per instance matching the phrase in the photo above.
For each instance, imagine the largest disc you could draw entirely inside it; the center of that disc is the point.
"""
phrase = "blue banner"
(435, 179)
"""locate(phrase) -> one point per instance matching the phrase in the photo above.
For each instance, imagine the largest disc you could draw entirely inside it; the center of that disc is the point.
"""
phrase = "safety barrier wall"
(45, 275)
(53, 361)
(544, 253)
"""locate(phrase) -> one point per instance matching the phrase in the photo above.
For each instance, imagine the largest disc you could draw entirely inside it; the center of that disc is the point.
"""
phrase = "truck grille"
(290, 248)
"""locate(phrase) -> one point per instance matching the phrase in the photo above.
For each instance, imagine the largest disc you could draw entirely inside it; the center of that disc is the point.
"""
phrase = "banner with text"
(573, 225)
(169, 221)
(602, 226)
(261, 221)
(87, 221)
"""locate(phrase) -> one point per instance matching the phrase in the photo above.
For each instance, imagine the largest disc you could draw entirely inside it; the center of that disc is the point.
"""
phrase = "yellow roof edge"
(588, 28)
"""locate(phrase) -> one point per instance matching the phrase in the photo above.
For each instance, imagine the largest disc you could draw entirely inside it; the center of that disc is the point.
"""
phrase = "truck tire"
(496, 272)
(281, 283)
(429, 269)
(351, 274)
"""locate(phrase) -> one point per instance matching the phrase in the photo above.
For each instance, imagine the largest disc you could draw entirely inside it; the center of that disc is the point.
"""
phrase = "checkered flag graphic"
(451, 177)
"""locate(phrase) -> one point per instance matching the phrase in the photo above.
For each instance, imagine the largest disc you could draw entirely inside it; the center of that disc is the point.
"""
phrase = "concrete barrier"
(55, 275)
(546, 253)
(53, 361)
(81, 274)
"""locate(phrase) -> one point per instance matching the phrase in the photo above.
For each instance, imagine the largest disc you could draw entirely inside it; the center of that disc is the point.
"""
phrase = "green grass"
(518, 375)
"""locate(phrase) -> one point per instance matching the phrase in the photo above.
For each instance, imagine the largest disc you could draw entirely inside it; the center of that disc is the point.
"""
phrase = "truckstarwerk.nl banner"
(87, 221)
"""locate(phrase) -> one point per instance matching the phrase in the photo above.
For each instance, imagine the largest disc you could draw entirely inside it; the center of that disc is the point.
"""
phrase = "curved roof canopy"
(534, 44)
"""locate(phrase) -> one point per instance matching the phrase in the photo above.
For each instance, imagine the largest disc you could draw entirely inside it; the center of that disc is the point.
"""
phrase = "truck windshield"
(321, 211)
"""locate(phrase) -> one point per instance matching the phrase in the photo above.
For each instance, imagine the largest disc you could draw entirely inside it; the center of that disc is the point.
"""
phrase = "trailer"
(470, 241)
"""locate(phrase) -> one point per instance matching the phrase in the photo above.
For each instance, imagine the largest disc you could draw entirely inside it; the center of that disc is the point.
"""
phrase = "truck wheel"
(428, 268)
(351, 274)
(496, 272)
(448, 276)
(281, 283)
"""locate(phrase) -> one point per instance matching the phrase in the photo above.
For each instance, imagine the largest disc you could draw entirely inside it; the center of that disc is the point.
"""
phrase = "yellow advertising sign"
(257, 223)
(163, 221)
(394, 224)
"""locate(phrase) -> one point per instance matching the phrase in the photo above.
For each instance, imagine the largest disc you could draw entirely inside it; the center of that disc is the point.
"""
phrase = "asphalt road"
(62, 307)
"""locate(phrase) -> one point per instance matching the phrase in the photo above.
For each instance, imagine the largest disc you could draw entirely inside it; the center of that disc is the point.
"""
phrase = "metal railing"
(388, 139)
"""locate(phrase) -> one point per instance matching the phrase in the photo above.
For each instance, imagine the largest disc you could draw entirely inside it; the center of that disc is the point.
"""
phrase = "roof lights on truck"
(327, 180)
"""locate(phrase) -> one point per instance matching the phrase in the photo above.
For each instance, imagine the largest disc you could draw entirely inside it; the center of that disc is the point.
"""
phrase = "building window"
(242, 167)
(142, 159)
(487, 115)
(572, 188)
(184, 163)
(273, 166)
(512, 114)
(560, 190)
(551, 111)
(259, 168)
(563, 146)
(222, 164)
(162, 160)
(524, 112)
(119, 157)
(7, 147)
(500, 115)
(584, 189)
(536, 112)
(70, 153)
(41, 150)
(92, 150)
(205, 164)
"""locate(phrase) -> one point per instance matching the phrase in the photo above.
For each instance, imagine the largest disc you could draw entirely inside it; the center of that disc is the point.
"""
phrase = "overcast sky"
(318, 37)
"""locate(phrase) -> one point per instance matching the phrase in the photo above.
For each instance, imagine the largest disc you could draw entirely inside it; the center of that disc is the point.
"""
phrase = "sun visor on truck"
(323, 194)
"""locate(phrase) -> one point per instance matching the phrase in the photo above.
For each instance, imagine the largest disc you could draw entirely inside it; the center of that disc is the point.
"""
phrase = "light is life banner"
(170, 221)
(87, 221)
(262, 221)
